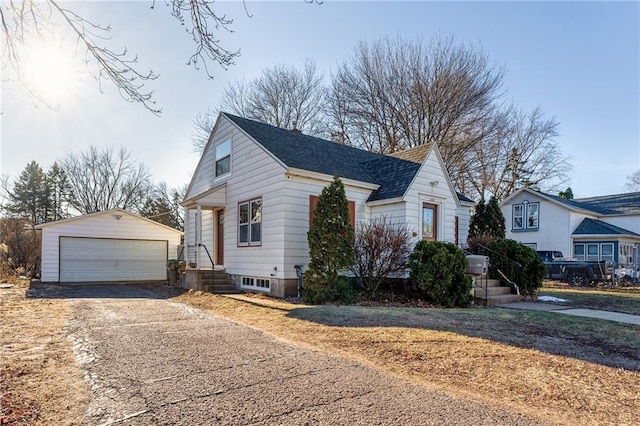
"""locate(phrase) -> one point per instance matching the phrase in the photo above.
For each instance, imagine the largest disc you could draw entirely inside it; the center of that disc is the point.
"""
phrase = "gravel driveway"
(151, 361)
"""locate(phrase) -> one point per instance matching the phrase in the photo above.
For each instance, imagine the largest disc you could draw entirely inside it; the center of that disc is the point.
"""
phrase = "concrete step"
(481, 282)
(500, 299)
(491, 291)
(221, 289)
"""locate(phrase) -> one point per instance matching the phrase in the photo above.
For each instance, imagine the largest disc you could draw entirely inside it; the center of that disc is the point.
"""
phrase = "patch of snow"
(552, 299)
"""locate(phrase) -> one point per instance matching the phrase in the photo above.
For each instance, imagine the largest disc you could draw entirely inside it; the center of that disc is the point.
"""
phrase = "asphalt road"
(151, 361)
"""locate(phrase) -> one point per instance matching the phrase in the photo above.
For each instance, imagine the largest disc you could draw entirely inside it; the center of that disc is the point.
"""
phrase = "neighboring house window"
(223, 158)
(250, 223)
(313, 201)
(429, 222)
(532, 215)
(531, 245)
(593, 252)
(518, 216)
(526, 216)
(606, 252)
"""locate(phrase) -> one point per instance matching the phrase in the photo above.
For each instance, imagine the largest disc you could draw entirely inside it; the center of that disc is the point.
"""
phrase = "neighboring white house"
(596, 228)
(250, 200)
(113, 245)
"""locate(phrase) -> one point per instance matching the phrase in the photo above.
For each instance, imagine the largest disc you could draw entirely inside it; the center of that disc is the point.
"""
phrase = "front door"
(219, 237)
(429, 222)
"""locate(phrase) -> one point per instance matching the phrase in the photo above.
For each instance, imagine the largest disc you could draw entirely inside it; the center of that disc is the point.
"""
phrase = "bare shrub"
(382, 249)
(20, 247)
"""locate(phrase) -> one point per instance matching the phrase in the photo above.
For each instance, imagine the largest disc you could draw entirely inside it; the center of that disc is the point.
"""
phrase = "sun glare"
(51, 71)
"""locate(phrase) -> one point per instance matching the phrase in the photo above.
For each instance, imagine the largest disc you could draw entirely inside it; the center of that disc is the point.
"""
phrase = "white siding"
(555, 224)
(203, 177)
(100, 225)
(464, 218)
(630, 223)
(441, 194)
(297, 191)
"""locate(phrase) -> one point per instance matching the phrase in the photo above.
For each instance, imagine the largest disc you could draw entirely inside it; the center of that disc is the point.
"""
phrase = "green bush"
(319, 290)
(330, 248)
(532, 271)
(438, 269)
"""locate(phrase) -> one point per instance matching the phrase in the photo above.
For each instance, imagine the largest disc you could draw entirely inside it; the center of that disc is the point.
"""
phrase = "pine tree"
(330, 247)
(567, 194)
(59, 193)
(29, 197)
(487, 223)
(495, 220)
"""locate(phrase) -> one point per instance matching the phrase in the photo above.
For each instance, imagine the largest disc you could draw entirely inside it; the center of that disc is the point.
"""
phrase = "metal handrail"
(501, 263)
(213, 269)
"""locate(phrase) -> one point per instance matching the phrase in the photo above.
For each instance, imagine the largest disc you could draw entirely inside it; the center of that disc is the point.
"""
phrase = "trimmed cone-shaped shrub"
(330, 247)
(438, 269)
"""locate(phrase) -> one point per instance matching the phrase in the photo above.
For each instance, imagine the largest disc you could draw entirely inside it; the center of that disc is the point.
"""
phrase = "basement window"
(256, 283)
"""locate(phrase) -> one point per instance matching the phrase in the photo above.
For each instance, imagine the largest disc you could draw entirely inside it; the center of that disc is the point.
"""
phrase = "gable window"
(532, 215)
(223, 158)
(518, 216)
(250, 223)
(429, 222)
(526, 216)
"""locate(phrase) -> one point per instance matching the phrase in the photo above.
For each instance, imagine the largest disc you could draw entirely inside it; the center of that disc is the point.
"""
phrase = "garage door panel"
(94, 259)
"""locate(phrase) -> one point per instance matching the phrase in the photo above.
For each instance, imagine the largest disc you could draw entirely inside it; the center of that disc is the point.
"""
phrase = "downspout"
(300, 276)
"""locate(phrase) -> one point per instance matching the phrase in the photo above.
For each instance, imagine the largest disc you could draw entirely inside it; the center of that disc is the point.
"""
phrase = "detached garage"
(114, 245)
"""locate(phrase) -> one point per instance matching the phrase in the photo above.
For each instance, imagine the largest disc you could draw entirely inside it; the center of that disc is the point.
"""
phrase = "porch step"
(502, 298)
(217, 282)
(494, 294)
(481, 293)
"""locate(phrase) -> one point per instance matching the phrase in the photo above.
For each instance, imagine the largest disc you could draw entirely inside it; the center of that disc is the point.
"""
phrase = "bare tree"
(633, 182)
(394, 94)
(283, 96)
(520, 152)
(103, 180)
(163, 206)
(25, 20)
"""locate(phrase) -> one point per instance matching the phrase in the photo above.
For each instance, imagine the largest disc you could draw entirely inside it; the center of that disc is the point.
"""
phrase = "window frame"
(250, 223)
(536, 215)
(515, 216)
(524, 212)
(218, 159)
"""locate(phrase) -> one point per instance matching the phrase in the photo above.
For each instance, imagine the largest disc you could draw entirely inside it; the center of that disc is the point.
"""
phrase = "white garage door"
(100, 259)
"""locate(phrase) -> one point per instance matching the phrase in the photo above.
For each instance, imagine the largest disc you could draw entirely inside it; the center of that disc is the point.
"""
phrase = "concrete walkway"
(589, 313)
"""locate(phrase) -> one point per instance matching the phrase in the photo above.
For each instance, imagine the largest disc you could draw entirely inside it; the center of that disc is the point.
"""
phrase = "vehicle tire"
(578, 279)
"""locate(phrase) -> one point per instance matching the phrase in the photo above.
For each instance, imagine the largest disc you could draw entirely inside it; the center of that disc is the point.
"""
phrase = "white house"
(596, 228)
(249, 202)
(114, 245)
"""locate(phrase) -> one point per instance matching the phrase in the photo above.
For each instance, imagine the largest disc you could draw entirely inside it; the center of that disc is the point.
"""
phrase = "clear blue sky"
(578, 61)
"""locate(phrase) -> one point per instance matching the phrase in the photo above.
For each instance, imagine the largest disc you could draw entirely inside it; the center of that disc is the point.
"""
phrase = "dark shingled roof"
(605, 204)
(597, 227)
(295, 149)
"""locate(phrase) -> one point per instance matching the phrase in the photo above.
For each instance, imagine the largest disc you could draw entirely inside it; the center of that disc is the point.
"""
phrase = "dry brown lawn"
(40, 382)
(533, 363)
(561, 389)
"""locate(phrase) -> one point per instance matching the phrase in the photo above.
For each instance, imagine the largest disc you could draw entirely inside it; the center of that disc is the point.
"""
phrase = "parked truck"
(574, 272)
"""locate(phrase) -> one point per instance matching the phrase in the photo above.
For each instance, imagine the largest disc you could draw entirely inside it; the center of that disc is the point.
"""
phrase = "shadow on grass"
(124, 290)
(602, 342)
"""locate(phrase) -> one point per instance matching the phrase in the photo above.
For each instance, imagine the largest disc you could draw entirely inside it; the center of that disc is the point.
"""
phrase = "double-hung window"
(250, 223)
(223, 158)
(526, 216)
